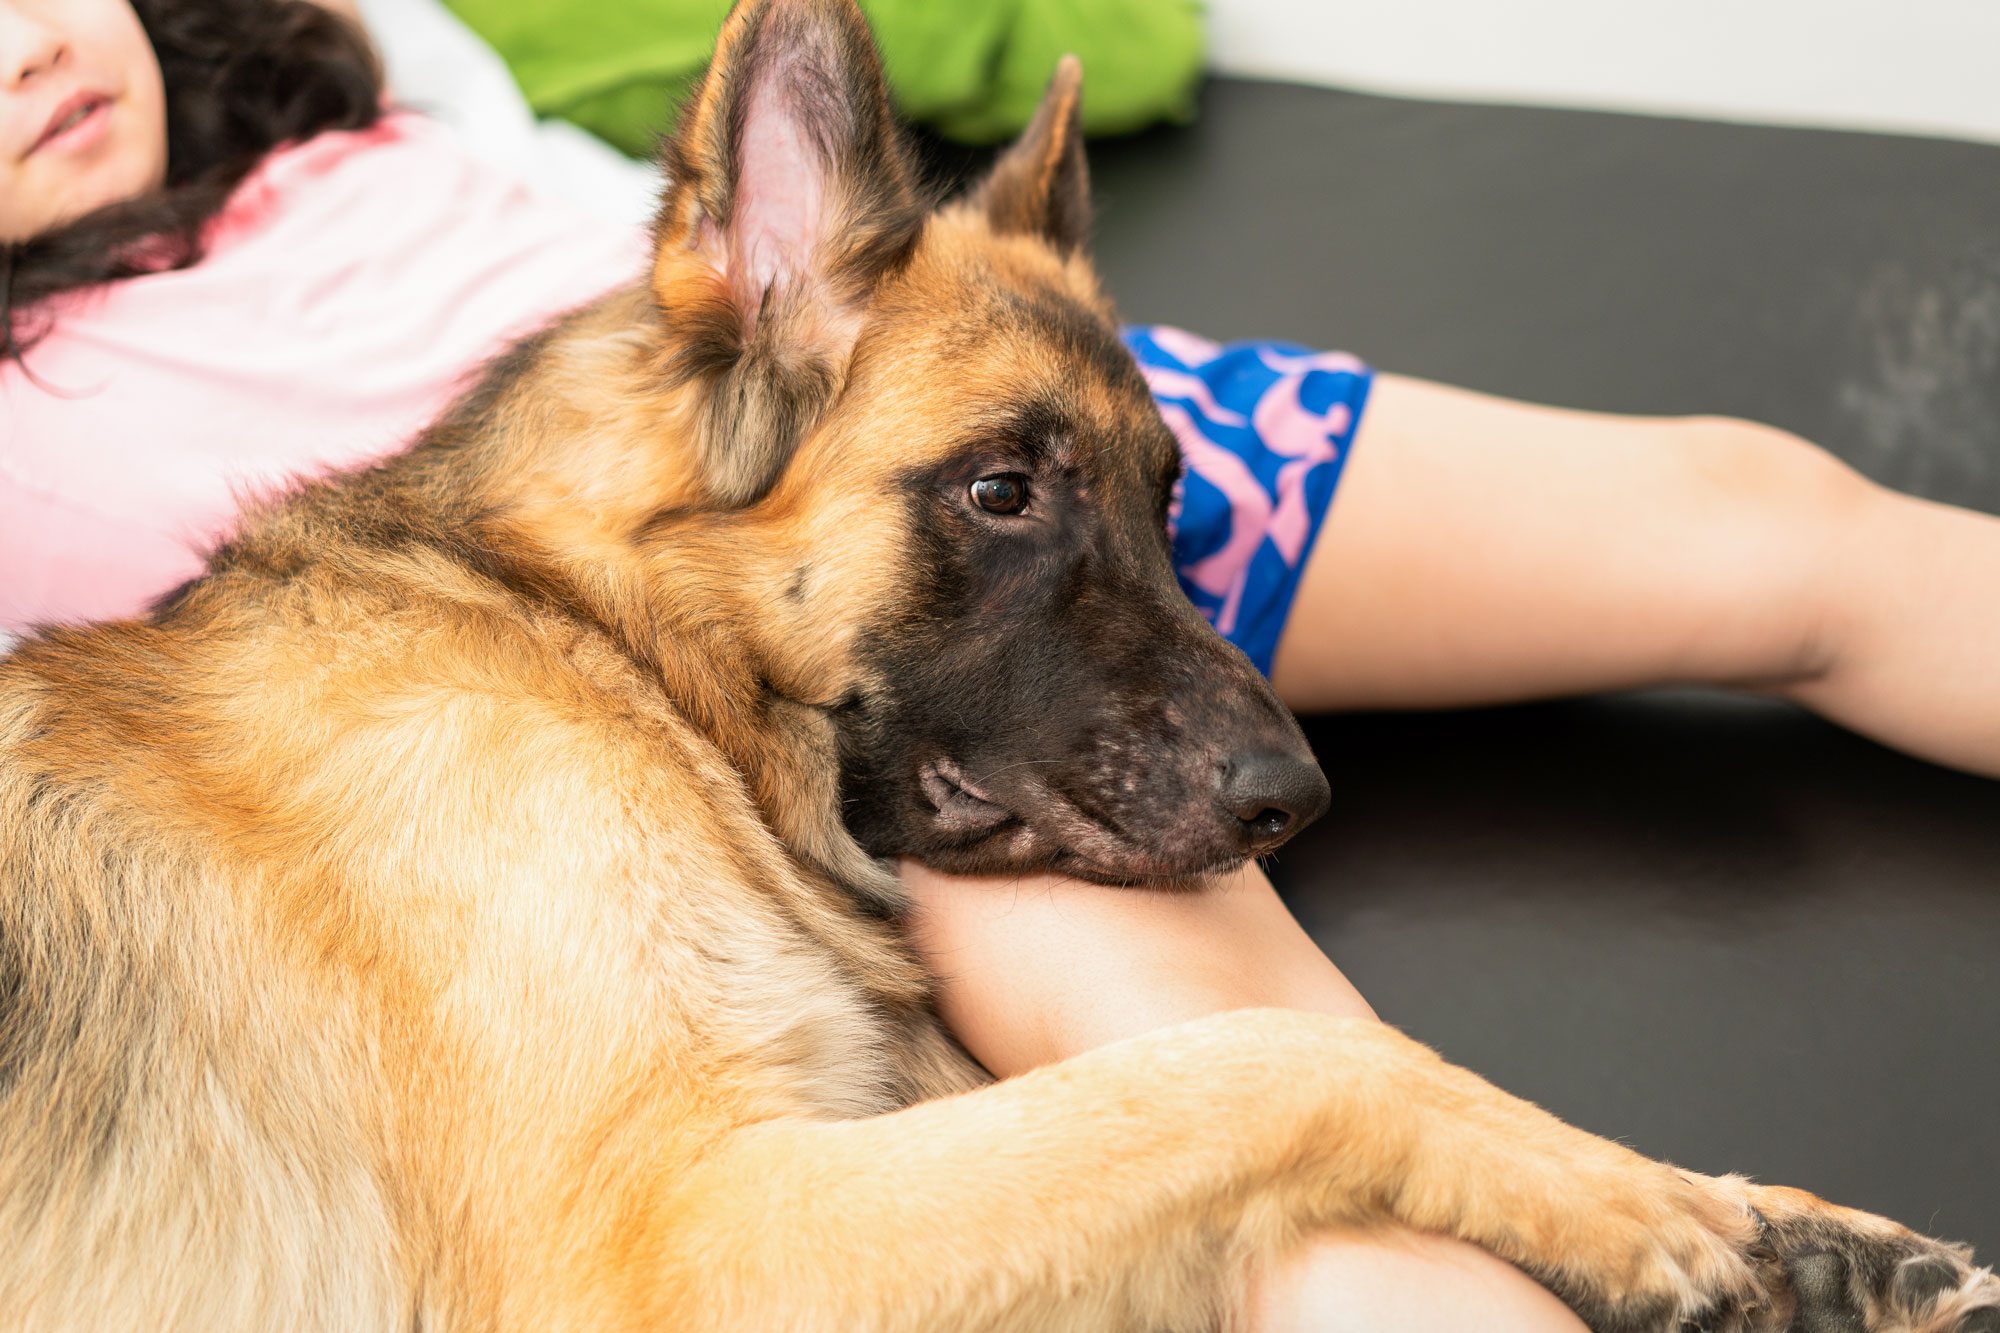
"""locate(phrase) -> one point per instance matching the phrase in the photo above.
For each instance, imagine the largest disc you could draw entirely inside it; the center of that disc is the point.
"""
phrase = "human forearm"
(1036, 970)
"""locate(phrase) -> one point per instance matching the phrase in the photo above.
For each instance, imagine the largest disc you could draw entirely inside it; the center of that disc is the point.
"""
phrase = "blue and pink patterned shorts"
(1265, 429)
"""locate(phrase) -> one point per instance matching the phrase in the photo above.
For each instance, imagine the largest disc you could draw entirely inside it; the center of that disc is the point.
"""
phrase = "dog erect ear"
(1041, 186)
(788, 198)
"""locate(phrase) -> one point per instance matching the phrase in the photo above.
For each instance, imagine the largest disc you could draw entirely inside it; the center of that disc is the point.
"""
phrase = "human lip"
(77, 122)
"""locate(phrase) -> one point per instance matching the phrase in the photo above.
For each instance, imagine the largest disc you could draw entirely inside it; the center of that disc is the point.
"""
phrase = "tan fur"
(442, 917)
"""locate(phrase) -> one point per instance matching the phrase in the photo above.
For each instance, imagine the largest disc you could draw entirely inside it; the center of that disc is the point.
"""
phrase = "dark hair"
(242, 77)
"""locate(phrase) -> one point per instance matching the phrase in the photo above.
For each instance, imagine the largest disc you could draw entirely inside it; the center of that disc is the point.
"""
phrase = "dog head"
(945, 485)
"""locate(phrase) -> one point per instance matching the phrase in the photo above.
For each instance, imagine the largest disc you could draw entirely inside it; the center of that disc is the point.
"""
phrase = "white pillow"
(439, 66)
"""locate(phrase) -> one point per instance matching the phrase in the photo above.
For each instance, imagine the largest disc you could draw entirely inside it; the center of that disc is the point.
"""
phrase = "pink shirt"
(351, 287)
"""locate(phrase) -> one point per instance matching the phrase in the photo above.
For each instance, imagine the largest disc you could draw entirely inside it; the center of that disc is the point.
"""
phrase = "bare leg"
(1482, 550)
(1035, 970)
(1405, 1281)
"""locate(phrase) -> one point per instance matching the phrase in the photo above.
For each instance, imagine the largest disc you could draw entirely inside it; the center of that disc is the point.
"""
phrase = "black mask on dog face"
(1050, 699)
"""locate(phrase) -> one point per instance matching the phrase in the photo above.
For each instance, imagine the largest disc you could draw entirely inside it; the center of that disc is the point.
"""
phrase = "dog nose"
(1271, 796)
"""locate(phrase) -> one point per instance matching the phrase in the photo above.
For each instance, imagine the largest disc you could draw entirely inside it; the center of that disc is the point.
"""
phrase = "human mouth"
(77, 123)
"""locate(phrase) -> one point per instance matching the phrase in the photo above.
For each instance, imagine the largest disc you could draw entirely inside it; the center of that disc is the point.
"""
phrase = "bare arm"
(1036, 970)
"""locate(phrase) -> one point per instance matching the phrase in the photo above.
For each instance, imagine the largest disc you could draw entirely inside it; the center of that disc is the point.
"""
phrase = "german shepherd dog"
(463, 907)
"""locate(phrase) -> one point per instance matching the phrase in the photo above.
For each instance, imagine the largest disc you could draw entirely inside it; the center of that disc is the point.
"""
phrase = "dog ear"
(788, 198)
(1041, 185)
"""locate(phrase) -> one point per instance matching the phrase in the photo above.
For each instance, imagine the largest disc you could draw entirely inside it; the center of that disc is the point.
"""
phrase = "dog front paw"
(1834, 1270)
(1677, 1252)
(1694, 1254)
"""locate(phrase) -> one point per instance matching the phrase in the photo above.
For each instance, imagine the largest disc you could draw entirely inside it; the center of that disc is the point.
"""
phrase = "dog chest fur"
(286, 930)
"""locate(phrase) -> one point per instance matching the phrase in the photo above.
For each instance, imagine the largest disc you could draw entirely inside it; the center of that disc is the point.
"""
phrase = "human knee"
(1361, 1282)
(1764, 457)
(1775, 512)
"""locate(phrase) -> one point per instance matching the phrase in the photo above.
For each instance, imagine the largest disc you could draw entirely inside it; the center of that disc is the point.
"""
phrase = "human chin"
(47, 193)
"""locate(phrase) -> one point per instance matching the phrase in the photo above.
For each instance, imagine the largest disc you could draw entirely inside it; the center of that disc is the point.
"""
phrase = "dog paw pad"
(1980, 1321)
(1920, 1281)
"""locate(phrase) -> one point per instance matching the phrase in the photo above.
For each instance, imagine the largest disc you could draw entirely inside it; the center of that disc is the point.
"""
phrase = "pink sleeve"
(351, 288)
(65, 563)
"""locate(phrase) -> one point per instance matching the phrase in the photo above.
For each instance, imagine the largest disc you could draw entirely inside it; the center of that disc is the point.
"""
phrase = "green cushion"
(973, 69)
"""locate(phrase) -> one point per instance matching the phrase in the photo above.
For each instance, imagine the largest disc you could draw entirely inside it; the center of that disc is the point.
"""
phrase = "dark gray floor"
(1719, 930)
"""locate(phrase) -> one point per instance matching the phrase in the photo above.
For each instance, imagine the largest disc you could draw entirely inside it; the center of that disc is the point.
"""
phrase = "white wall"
(1922, 66)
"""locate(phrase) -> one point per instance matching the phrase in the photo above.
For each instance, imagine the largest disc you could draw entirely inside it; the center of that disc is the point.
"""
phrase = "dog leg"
(1127, 1188)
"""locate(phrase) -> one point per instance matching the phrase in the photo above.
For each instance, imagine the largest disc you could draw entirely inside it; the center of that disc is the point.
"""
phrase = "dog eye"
(1003, 493)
